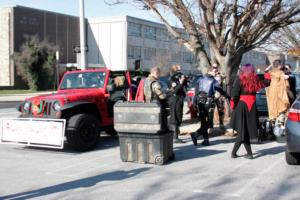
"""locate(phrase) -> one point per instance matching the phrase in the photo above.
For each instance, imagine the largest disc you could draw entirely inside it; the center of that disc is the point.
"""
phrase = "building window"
(187, 57)
(162, 34)
(149, 32)
(134, 29)
(163, 52)
(172, 38)
(176, 57)
(149, 53)
(134, 52)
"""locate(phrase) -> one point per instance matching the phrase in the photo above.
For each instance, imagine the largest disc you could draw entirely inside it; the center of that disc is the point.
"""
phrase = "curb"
(20, 97)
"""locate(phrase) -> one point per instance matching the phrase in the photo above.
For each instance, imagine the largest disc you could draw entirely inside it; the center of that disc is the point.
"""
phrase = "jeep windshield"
(83, 80)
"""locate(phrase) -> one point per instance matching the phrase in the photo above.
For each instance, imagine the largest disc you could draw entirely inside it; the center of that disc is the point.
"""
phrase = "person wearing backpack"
(153, 92)
(152, 88)
(204, 101)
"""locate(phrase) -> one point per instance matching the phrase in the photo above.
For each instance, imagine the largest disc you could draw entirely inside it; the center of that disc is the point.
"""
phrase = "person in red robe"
(244, 118)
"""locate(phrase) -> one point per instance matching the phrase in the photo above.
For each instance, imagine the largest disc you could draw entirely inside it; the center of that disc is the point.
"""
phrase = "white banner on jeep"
(34, 132)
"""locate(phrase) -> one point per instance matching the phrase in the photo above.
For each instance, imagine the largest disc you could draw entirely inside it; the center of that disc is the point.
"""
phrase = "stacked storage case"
(143, 132)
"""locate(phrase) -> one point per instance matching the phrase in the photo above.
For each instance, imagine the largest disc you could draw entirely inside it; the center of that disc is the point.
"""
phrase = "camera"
(178, 75)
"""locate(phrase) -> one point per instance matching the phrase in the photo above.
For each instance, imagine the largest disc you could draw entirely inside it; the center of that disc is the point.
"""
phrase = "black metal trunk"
(143, 133)
(146, 148)
(131, 117)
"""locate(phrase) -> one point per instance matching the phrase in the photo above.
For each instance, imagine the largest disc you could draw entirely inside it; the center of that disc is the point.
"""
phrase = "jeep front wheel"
(83, 132)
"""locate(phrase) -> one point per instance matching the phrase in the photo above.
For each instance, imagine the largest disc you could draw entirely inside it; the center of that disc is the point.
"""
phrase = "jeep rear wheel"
(83, 132)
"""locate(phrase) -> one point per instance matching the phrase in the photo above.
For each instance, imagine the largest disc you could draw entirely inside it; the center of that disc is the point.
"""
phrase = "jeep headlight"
(26, 106)
(56, 106)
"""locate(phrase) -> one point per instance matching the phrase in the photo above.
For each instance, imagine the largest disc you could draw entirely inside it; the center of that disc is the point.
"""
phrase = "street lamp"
(82, 35)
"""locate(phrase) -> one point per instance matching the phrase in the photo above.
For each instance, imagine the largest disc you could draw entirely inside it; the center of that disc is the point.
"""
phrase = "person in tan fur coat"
(277, 96)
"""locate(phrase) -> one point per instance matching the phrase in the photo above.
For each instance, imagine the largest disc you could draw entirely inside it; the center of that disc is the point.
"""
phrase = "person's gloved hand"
(285, 77)
(267, 76)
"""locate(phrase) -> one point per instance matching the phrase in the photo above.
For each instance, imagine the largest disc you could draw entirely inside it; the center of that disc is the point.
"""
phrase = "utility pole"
(57, 68)
(83, 46)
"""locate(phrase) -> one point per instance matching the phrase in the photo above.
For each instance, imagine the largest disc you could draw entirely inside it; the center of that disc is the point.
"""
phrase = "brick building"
(17, 21)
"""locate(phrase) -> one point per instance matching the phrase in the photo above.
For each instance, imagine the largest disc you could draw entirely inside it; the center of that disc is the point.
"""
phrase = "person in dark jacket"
(204, 100)
(244, 118)
(117, 93)
(287, 69)
(176, 95)
(220, 100)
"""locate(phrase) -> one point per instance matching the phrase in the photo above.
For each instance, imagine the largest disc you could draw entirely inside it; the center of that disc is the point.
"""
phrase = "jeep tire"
(83, 132)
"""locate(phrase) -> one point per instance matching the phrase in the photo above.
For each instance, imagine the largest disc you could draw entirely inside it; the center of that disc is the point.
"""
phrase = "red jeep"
(85, 99)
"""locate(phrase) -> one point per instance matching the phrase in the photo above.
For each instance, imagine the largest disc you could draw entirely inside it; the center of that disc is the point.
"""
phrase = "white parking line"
(217, 193)
(225, 175)
(258, 177)
(248, 184)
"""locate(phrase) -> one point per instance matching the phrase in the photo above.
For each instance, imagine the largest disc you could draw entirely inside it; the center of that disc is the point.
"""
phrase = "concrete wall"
(5, 20)
(107, 43)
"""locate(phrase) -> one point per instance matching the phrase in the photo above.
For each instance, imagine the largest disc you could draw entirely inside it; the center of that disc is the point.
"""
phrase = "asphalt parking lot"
(196, 173)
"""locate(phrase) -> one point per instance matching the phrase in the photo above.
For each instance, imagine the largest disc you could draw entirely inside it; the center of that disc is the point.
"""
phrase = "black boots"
(233, 155)
(176, 132)
(205, 142)
(194, 138)
(236, 147)
(249, 156)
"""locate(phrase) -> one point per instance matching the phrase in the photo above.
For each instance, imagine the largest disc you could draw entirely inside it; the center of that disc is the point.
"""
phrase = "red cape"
(139, 97)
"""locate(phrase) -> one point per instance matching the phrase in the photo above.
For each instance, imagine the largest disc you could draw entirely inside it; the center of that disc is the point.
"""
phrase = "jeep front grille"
(42, 109)
(47, 108)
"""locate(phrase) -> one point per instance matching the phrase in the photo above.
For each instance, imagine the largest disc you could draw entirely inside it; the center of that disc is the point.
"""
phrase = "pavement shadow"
(190, 152)
(105, 142)
(223, 141)
(212, 142)
(270, 151)
(80, 183)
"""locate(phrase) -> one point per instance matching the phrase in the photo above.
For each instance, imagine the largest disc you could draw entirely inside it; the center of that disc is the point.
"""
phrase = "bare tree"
(286, 40)
(230, 27)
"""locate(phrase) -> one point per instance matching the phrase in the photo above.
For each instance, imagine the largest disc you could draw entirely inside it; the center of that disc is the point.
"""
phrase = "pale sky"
(93, 8)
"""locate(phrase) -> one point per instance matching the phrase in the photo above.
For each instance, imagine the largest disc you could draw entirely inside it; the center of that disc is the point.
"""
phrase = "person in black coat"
(287, 69)
(244, 118)
(176, 95)
(117, 93)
